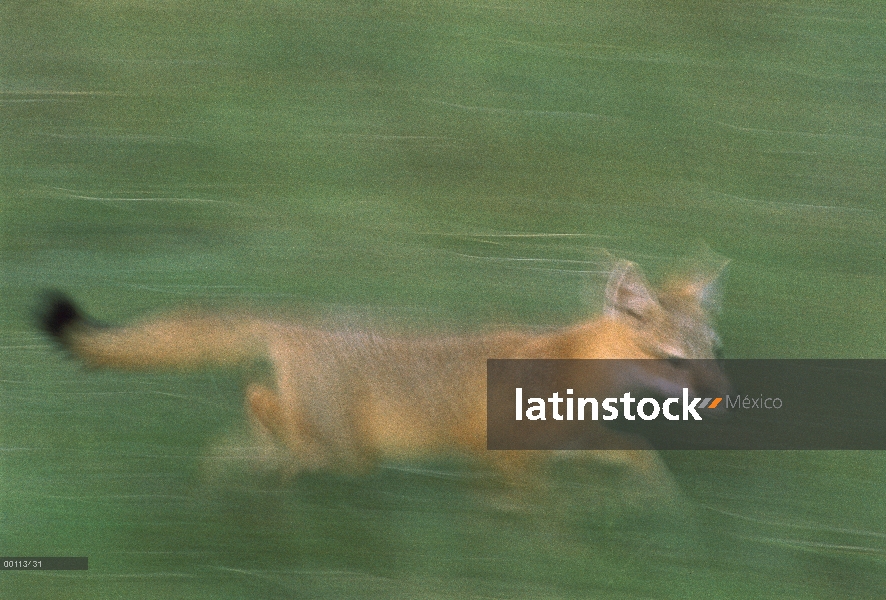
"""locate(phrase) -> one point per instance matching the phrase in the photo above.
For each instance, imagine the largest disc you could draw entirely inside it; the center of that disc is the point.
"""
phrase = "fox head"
(673, 325)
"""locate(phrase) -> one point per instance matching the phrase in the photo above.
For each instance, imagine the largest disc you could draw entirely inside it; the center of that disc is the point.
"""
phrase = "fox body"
(344, 399)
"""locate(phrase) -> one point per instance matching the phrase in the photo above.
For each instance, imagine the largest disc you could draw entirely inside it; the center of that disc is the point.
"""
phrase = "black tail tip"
(58, 314)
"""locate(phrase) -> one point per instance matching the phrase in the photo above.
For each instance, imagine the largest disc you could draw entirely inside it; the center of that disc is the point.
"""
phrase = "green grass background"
(446, 166)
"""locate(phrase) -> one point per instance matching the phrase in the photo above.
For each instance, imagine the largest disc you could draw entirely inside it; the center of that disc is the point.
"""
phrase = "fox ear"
(705, 287)
(628, 292)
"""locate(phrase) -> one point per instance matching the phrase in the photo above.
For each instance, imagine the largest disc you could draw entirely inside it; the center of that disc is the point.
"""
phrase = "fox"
(346, 399)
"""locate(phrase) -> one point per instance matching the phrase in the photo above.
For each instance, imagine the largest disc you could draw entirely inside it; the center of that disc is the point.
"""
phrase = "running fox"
(344, 399)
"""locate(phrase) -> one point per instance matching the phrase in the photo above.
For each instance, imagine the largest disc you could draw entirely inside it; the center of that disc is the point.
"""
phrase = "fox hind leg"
(284, 425)
(264, 405)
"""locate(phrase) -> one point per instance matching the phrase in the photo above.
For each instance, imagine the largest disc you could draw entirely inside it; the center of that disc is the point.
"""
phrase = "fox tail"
(175, 341)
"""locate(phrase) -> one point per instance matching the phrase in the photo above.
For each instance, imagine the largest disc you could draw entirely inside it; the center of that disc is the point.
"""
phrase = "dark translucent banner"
(761, 404)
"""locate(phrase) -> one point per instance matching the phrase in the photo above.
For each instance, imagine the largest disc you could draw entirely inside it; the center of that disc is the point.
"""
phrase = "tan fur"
(343, 399)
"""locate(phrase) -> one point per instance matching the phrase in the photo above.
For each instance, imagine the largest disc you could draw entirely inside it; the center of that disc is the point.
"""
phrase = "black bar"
(44, 563)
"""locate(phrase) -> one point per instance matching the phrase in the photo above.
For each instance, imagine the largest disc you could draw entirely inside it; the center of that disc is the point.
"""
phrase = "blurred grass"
(392, 161)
